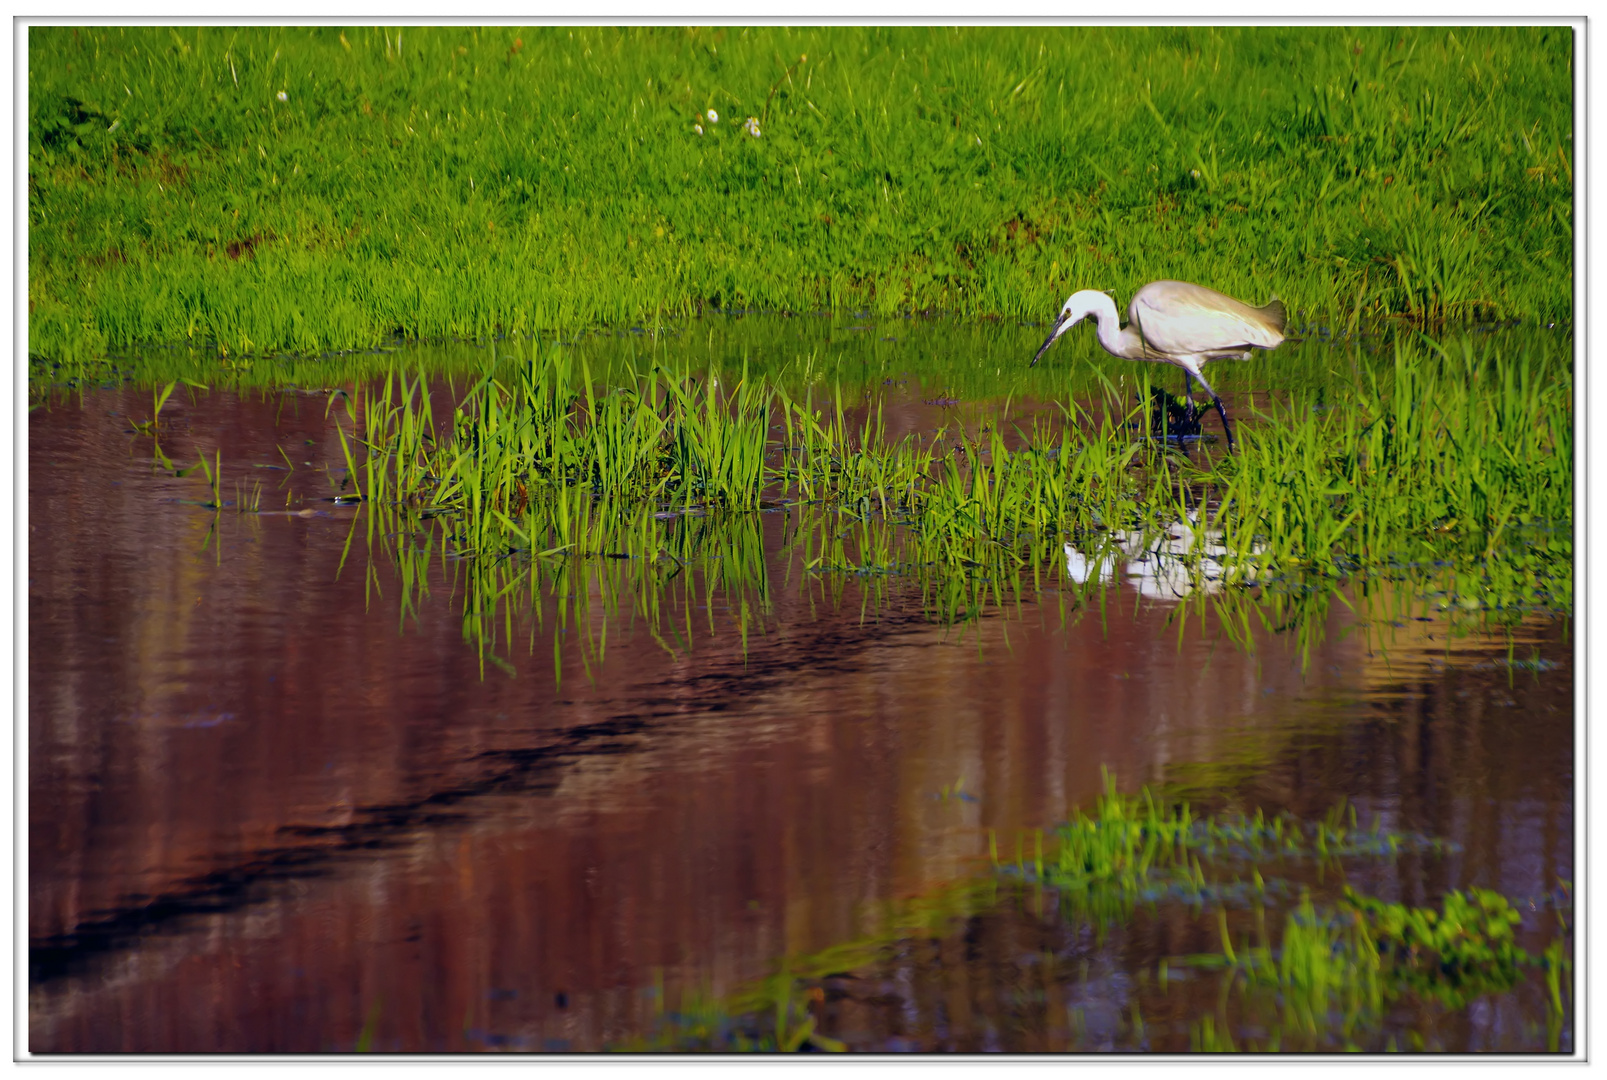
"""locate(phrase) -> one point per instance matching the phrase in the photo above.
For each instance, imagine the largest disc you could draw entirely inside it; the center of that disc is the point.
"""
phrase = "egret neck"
(1125, 342)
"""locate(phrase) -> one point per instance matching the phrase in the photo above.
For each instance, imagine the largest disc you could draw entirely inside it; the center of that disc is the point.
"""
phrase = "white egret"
(1175, 322)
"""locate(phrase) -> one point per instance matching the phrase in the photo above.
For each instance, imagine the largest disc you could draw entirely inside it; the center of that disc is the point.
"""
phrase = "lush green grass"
(974, 364)
(459, 182)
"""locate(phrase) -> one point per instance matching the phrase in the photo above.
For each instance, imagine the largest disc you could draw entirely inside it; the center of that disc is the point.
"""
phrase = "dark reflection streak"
(525, 771)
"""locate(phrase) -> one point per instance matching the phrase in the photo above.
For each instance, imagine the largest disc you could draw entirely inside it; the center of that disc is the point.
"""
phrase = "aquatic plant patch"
(1435, 471)
(1348, 973)
(1443, 467)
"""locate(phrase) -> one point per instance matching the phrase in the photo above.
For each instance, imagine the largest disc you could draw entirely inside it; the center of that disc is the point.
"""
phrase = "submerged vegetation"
(1347, 971)
(264, 189)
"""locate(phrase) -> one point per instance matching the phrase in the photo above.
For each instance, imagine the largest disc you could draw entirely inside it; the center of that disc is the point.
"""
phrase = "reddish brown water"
(268, 814)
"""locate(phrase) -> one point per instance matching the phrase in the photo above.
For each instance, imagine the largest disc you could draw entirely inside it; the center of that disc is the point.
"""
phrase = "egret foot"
(1172, 417)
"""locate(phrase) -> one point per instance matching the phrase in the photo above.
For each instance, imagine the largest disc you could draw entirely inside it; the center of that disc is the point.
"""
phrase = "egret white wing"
(1181, 319)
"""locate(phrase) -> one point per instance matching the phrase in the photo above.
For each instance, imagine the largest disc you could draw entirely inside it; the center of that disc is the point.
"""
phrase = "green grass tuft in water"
(1445, 469)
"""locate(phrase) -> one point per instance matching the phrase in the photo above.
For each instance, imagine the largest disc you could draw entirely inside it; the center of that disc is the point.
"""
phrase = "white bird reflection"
(1165, 565)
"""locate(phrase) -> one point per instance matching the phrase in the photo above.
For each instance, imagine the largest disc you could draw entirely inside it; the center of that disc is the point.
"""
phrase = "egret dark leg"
(1223, 414)
(1188, 396)
(1220, 411)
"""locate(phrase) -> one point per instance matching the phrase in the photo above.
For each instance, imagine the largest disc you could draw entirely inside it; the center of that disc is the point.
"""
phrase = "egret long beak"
(1054, 332)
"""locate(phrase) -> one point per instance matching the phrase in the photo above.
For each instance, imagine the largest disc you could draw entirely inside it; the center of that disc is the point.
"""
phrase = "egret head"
(1078, 306)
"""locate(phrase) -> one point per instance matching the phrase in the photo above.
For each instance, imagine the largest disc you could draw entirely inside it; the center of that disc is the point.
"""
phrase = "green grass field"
(263, 189)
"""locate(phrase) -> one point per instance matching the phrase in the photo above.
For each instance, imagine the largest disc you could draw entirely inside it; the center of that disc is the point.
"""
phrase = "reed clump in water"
(1450, 469)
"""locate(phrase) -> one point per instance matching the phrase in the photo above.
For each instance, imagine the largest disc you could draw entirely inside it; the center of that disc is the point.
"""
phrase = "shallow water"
(270, 810)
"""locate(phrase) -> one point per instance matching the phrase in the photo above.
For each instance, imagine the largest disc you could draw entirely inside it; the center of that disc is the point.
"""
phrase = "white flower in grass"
(714, 117)
(698, 128)
(283, 96)
(751, 126)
